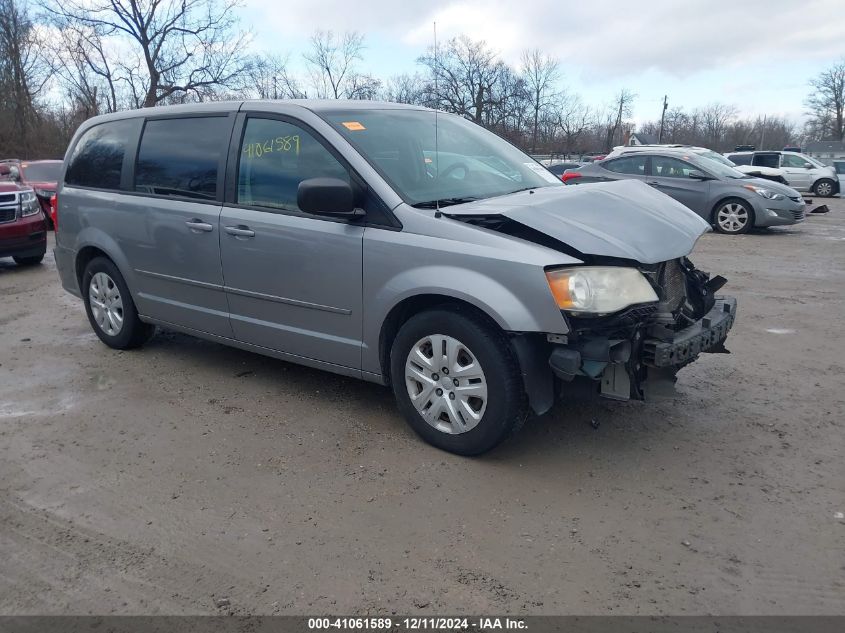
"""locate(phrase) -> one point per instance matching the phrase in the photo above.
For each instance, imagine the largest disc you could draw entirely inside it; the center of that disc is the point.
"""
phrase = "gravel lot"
(187, 477)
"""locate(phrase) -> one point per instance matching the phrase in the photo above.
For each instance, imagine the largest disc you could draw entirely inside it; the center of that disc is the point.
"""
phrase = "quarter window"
(180, 157)
(665, 167)
(634, 165)
(275, 157)
(97, 159)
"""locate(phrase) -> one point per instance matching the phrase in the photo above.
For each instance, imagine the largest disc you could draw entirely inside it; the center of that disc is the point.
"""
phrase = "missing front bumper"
(705, 335)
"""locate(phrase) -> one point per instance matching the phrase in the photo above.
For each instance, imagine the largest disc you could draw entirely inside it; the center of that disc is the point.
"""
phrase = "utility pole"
(663, 118)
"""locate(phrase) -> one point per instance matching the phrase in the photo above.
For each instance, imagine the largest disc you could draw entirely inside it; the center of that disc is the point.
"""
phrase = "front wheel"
(457, 381)
(823, 188)
(733, 217)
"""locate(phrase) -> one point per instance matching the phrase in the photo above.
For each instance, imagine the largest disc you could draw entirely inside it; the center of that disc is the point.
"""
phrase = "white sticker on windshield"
(542, 171)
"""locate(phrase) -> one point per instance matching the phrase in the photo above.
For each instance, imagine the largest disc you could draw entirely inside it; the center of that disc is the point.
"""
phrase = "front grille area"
(7, 214)
(799, 214)
(6, 197)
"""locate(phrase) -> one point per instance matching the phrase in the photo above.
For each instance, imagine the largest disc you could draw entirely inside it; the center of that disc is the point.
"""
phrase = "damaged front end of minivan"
(636, 307)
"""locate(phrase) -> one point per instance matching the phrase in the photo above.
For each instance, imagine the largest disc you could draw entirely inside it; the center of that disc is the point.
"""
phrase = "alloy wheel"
(732, 217)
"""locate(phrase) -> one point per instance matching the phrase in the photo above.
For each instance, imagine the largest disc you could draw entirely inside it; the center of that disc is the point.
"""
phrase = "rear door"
(293, 280)
(173, 242)
(795, 171)
(671, 176)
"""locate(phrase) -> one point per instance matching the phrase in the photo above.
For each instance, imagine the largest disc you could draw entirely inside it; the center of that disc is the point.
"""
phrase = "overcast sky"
(755, 54)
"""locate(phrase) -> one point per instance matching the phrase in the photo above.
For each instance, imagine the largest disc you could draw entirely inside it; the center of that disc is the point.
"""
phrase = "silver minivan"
(388, 243)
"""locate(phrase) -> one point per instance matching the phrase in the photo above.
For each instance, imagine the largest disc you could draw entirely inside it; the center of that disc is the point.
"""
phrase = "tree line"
(63, 61)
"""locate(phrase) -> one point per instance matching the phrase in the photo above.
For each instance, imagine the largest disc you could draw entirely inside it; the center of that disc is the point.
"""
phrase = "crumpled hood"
(626, 219)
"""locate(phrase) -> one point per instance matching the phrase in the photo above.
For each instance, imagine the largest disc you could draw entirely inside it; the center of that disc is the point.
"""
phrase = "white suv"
(800, 171)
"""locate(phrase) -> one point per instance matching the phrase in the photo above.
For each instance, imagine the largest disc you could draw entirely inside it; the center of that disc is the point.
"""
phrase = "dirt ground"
(188, 477)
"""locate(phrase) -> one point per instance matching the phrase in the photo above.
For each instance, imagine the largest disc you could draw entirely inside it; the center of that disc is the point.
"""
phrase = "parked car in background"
(23, 228)
(795, 149)
(559, 168)
(729, 200)
(839, 167)
(41, 176)
(337, 234)
(800, 171)
(758, 172)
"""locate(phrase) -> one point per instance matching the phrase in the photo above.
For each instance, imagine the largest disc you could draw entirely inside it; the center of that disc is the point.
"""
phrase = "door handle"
(239, 231)
(198, 226)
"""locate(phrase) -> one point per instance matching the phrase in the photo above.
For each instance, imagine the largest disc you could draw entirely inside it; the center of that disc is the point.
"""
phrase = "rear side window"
(766, 160)
(740, 159)
(97, 159)
(181, 157)
(634, 165)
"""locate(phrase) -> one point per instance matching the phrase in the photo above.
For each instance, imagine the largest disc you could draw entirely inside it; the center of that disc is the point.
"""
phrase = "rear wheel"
(824, 188)
(110, 308)
(733, 217)
(456, 380)
(34, 260)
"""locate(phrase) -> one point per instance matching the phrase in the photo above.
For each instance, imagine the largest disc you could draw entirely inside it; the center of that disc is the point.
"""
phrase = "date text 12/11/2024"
(418, 623)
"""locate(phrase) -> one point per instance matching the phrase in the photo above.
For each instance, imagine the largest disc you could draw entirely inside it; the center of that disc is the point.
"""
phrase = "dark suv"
(23, 226)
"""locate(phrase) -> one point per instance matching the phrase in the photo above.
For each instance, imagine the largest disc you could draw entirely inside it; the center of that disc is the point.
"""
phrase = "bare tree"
(573, 120)
(268, 77)
(183, 48)
(332, 66)
(23, 76)
(620, 109)
(826, 105)
(540, 72)
(405, 88)
(463, 76)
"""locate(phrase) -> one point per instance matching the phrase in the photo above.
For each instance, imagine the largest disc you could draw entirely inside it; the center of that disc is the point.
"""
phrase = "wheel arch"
(95, 243)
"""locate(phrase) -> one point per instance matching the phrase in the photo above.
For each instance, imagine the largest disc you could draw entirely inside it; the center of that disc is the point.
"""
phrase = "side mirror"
(327, 196)
(4, 170)
(699, 175)
(808, 165)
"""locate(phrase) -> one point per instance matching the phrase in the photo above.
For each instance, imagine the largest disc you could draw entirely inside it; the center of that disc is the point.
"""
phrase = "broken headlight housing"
(29, 204)
(598, 289)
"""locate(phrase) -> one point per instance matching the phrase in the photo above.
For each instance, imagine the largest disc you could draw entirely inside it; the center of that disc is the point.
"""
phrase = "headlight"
(766, 193)
(29, 204)
(597, 290)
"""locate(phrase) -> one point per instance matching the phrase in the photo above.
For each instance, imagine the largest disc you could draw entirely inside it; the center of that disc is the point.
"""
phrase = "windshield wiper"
(444, 202)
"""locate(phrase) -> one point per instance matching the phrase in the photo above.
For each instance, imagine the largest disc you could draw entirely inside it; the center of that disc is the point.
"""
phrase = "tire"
(733, 217)
(489, 406)
(824, 188)
(33, 260)
(110, 308)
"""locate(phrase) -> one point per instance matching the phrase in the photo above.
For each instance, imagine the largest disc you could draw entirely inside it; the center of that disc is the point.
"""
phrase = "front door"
(171, 236)
(671, 176)
(293, 280)
(795, 171)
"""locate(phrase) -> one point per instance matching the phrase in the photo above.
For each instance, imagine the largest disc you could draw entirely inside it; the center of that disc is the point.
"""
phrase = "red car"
(23, 225)
(41, 175)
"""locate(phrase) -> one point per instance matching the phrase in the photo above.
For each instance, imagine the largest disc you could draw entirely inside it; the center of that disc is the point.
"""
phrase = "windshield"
(467, 162)
(718, 168)
(42, 172)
